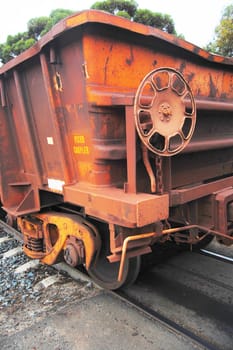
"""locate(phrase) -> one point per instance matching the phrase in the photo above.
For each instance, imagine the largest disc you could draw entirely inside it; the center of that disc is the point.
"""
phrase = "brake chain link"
(159, 174)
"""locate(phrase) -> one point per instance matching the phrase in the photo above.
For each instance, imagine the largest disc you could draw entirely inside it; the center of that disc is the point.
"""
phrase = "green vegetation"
(129, 9)
(223, 41)
(37, 27)
(15, 44)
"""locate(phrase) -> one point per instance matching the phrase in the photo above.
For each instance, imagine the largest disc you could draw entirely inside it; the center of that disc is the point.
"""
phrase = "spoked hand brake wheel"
(165, 112)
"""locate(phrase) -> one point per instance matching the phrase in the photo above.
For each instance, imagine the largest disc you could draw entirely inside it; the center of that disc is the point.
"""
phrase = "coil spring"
(35, 244)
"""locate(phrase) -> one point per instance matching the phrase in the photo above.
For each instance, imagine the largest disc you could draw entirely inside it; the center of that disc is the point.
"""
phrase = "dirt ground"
(82, 318)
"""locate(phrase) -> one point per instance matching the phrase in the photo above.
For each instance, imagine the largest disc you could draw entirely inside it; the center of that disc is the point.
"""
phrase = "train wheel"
(105, 273)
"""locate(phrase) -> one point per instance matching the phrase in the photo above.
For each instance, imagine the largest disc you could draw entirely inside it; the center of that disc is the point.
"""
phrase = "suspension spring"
(35, 244)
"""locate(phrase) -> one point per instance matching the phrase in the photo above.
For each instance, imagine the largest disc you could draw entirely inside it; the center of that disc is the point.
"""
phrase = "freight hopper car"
(114, 137)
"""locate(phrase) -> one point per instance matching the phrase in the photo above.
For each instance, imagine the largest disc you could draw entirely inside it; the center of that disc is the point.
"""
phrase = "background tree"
(14, 45)
(155, 19)
(54, 17)
(223, 40)
(37, 27)
(129, 9)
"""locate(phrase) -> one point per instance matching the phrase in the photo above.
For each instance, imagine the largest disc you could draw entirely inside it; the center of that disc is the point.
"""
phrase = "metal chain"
(159, 174)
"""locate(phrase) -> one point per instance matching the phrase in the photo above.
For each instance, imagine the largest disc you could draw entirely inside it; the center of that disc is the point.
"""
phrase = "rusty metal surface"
(163, 122)
(65, 145)
(113, 205)
(72, 129)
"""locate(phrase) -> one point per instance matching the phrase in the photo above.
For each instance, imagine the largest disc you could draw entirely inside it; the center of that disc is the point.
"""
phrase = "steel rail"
(154, 315)
(11, 230)
(217, 256)
(165, 321)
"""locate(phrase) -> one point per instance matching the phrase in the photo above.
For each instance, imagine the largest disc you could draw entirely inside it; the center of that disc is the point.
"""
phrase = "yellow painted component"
(70, 225)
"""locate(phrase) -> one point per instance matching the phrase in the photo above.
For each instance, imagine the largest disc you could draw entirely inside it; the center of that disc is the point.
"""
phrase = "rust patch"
(130, 60)
(213, 89)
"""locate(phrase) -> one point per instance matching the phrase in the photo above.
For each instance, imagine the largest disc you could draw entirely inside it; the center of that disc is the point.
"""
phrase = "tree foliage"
(117, 7)
(129, 9)
(36, 28)
(14, 45)
(155, 19)
(223, 40)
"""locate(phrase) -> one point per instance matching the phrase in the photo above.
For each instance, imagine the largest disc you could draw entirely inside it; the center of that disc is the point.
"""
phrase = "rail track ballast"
(114, 137)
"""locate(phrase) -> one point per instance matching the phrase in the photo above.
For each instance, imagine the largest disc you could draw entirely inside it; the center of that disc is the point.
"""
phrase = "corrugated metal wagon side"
(115, 136)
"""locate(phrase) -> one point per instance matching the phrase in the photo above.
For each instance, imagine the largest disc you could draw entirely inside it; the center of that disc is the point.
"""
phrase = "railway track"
(136, 296)
(169, 323)
(192, 293)
(212, 254)
(25, 284)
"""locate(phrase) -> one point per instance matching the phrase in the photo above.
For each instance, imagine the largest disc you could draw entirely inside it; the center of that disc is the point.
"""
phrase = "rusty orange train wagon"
(114, 137)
